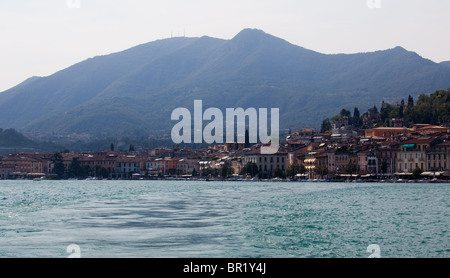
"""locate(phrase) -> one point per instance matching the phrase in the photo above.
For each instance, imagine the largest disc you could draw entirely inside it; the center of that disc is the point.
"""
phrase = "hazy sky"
(40, 37)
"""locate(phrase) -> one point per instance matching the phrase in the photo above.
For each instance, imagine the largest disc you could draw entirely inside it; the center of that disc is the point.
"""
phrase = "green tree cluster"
(355, 120)
(433, 109)
(295, 169)
(250, 169)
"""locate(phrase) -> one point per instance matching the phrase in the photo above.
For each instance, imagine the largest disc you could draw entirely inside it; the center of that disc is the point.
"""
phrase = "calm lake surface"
(172, 219)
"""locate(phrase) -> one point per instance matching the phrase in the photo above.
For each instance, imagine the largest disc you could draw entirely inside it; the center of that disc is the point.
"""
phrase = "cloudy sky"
(40, 37)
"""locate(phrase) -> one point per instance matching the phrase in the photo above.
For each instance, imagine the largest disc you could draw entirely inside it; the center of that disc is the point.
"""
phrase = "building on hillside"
(371, 116)
(425, 129)
(387, 132)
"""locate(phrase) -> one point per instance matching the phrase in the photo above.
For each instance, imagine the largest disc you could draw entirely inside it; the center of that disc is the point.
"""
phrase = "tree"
(410, 101)
(226, 171)
(400, 110)
(345, 113)
(251, 169)
(350, 168)
(295, 169)
(326, 126)
(75, 169)
(356, 120)
(58, 165)
(111, 147)
(417, 173)
(206, 172)
(278, 173)
(321, 170)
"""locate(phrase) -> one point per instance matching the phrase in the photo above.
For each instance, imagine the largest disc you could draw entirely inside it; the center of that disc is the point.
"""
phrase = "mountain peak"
(399, 48)
(250, 34)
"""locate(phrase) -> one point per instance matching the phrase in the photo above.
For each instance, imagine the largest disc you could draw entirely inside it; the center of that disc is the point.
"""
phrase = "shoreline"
(245, 180)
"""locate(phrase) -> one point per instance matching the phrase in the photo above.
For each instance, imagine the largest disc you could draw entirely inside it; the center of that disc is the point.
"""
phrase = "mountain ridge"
(134, 91)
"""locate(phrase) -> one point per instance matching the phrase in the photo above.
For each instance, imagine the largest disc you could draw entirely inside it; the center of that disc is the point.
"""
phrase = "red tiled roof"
(426, 140)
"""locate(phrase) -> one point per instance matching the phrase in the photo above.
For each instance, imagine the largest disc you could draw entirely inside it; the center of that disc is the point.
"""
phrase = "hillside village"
(353, 148)
(384, 153)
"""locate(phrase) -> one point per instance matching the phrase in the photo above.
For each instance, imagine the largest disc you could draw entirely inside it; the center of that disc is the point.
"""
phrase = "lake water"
(187, 219)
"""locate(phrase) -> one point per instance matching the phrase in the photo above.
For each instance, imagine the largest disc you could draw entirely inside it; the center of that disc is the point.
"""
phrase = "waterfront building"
(267, 163)
(166, 166)
(129, 165)
(438, 158)
(412, 154)
(22, 165)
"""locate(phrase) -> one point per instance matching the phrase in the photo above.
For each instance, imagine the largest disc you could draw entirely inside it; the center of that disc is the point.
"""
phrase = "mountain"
(11, 140)
(134, 92)
(445, 63)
